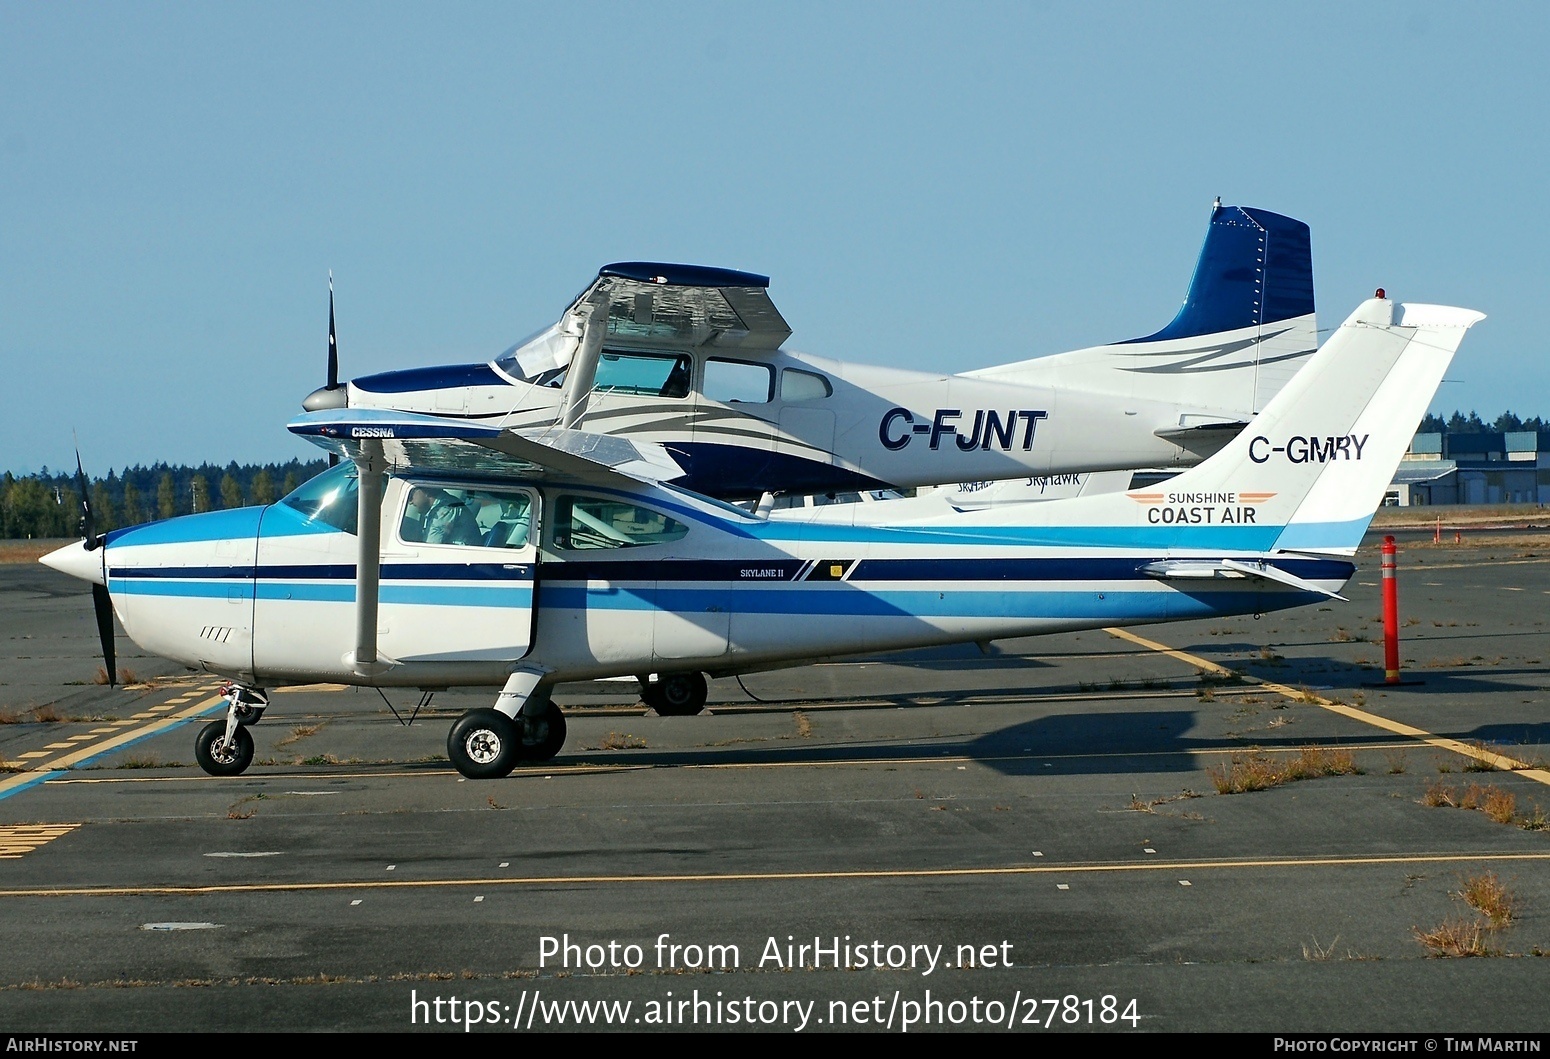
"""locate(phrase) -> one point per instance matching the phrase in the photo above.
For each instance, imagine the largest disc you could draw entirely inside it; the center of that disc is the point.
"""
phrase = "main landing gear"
(675, 694)
(488, 744)
(225, 747)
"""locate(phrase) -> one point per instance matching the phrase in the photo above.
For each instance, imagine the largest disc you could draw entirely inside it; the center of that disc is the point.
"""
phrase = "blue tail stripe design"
(1256, 267)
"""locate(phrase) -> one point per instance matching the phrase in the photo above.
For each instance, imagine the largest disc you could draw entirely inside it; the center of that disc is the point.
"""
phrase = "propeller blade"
(88, 520)
(333, 344)
(333, 353)
(103, 605)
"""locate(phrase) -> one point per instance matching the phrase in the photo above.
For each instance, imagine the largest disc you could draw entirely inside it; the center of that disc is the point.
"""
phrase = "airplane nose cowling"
(323, 398)
(75, 560)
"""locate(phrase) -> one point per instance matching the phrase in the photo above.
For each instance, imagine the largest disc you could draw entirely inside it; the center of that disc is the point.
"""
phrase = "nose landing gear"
(225, 747)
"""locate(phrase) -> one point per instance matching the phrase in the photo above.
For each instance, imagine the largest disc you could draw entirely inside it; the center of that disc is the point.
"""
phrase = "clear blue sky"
(933, 186)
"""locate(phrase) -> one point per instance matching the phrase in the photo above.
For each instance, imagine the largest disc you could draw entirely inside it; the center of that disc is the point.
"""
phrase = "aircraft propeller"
(330, 394)
(102, 603)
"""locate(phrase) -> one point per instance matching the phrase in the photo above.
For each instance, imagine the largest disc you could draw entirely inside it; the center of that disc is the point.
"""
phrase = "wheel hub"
(483, 746)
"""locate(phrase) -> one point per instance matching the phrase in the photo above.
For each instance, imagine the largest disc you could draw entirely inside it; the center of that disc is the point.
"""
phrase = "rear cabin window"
(642, 374)
(738, 382)
(588, 524)
(798, 385)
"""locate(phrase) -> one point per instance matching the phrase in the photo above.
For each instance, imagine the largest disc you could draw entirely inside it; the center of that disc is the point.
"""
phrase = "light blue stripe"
(513, 597)
(1324, 536)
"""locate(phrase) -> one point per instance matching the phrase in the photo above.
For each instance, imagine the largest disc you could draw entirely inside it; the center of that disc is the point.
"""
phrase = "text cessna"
(1299, 449)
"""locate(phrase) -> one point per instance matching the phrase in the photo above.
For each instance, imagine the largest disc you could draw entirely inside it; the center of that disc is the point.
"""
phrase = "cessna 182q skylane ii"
(449, 552)
(692, 358)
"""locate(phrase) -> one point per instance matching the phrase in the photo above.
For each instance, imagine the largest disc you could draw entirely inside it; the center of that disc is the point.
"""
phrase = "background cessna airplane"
(571, 557)
(691, 358)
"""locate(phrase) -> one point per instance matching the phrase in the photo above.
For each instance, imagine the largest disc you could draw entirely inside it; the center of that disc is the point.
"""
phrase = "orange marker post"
(1390, 611)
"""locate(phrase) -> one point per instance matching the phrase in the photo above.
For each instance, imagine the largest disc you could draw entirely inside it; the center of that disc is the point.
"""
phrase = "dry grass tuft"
(244, 808)
(1455, 937)
(622, 741)
(1260, 771)
(47, 714)
(804, 726)
(1498, 804)
(1320, 952)
(298, 733)
(7, 765)
(1489, 896)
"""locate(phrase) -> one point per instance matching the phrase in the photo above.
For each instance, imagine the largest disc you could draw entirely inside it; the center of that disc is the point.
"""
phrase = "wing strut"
(582, 375)
(371, 466)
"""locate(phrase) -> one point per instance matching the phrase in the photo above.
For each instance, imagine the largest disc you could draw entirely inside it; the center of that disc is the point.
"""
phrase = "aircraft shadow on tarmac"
(1093, 742)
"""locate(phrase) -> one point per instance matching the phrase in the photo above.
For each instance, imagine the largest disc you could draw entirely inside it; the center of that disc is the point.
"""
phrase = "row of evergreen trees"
(48, 504)
(1459, 423)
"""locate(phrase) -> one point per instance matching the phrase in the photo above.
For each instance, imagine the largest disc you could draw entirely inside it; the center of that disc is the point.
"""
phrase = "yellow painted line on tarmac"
(20, 839)
(127, 735)
(1149, 865)
(35, 753)
(1489, 757)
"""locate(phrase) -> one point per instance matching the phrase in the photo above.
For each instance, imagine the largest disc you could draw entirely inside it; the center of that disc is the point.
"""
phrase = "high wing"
(687, 303)
(653, 302)
(430, 443)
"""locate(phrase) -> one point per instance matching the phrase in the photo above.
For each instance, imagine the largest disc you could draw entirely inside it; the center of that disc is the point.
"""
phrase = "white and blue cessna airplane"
(449, 552)
(692, 358)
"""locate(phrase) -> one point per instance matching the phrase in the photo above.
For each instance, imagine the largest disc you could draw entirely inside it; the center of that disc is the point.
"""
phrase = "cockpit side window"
(476, 518)
(643, 374)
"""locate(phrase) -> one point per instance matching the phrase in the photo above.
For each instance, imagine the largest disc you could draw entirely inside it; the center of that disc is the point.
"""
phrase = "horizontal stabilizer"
(1231, 570)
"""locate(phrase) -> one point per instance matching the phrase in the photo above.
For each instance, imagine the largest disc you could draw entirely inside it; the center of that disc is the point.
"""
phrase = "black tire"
(217, 757)
(678, 694)
(542, 736)
(484, 744)
(247, 714)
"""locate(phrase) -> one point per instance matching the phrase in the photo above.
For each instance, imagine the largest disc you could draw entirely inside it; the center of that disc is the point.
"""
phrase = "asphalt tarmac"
(1029, 840)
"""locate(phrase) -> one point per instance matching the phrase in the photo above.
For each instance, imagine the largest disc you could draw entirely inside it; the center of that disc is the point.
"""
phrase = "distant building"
(1486, 468)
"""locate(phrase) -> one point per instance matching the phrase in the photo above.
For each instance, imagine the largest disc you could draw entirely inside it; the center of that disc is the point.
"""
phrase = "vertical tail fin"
(1246, 326)
(1317, 460)
(1309, 472)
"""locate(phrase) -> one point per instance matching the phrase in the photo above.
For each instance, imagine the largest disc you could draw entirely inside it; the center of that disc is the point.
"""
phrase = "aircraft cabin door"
(458, 569)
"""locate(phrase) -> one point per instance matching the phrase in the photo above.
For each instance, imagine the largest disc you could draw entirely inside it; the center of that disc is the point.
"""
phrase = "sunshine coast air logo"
(1200, 509)
(991, 429)
(1302, 449)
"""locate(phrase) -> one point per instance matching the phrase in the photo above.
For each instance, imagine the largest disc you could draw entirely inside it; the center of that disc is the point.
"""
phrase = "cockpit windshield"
(539, 359)
(331, 498)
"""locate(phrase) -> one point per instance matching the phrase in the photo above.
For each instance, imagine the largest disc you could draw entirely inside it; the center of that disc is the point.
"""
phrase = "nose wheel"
(225, 747)
(220, 755)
